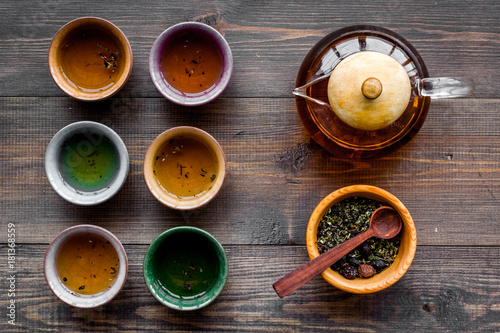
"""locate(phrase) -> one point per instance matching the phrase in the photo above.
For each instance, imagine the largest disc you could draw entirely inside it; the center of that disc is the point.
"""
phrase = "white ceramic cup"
(68, 296)
(94, 133)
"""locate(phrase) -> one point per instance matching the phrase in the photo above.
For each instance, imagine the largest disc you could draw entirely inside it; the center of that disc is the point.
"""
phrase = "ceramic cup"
(155, 153)
(157, 279)
(63, 292)
(407, 247)
(162, 44)
(91, 136)
(117, 63)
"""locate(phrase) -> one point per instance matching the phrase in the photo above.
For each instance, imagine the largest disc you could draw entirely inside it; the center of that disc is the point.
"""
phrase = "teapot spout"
(302, 92)
(445, 87)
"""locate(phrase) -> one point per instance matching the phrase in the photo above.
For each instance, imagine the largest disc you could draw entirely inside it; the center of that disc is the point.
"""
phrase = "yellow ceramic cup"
(155, 152)
(93, 66)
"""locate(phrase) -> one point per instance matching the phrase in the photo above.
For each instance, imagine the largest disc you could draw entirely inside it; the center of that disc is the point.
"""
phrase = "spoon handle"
(303, 274)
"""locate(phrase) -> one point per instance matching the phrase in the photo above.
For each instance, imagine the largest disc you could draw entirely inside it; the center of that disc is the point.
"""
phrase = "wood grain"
(430, 297)
(269, 40)
(448, 176)
(276, 174)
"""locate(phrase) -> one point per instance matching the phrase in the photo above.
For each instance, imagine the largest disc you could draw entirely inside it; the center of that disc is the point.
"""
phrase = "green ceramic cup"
(185, 268)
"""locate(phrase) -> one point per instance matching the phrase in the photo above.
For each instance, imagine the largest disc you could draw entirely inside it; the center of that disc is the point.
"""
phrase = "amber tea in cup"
(190, 63)
(184, 167)
(90, 59)
(87, 264)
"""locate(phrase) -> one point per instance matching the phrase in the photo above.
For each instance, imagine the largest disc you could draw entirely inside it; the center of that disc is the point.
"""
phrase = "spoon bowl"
(385, 222)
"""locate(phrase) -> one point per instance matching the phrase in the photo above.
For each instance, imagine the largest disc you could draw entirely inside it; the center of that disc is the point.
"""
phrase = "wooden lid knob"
(371, 88)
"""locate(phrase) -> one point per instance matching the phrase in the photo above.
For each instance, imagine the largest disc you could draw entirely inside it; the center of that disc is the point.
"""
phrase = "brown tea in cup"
(91, 60)
(191, 63)
(87, 264)
(185, 167)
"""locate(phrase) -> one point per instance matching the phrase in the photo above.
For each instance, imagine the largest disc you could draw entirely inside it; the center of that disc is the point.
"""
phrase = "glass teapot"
(365, 92)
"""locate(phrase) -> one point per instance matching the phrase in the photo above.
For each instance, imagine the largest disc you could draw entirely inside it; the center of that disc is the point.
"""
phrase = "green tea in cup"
(88, 165)
(187, 265)
(185, 268)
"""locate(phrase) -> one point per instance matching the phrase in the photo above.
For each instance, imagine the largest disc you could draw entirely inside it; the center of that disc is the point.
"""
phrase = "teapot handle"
(445, 87)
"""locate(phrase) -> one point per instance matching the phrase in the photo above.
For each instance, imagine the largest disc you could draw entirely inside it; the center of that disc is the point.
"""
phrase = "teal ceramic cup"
(185, 268)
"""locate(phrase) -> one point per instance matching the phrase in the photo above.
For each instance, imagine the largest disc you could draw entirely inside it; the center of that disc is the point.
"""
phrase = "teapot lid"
(369, 90)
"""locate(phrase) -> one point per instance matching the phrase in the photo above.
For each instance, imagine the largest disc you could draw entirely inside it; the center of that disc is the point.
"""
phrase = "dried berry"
(365, 249)
(379, 264)
(353, 261)
(349, 271)
(366, 270)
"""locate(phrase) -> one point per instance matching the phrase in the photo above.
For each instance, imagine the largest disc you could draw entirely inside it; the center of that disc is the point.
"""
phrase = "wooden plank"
(446, 289)
(269, 40)
(448, 176)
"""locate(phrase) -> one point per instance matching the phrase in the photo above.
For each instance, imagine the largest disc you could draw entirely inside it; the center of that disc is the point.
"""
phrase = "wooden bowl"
(154, 153)
(407, 247)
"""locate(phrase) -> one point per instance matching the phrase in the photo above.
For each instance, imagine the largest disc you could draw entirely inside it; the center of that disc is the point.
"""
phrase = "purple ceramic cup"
(170, 92)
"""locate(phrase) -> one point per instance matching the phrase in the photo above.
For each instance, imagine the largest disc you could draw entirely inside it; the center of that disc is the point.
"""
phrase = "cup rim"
(61, 291)
(56, 179)
(159, 240)
(157, 76)
(66, 30)
(405, 254)
(159, 193)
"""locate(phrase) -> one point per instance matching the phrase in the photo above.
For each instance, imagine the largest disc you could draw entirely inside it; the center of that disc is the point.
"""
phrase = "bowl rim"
(157, 75)
(159, 193)
(162, 237)
(57, 181)
(66, 30)
(403, 259)
(61, 291)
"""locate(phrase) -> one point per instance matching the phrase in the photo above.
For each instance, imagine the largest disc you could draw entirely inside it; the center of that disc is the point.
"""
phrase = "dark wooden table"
(448, 176)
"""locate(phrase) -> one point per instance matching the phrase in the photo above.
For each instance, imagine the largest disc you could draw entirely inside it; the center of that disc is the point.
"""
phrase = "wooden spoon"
(385, 223)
